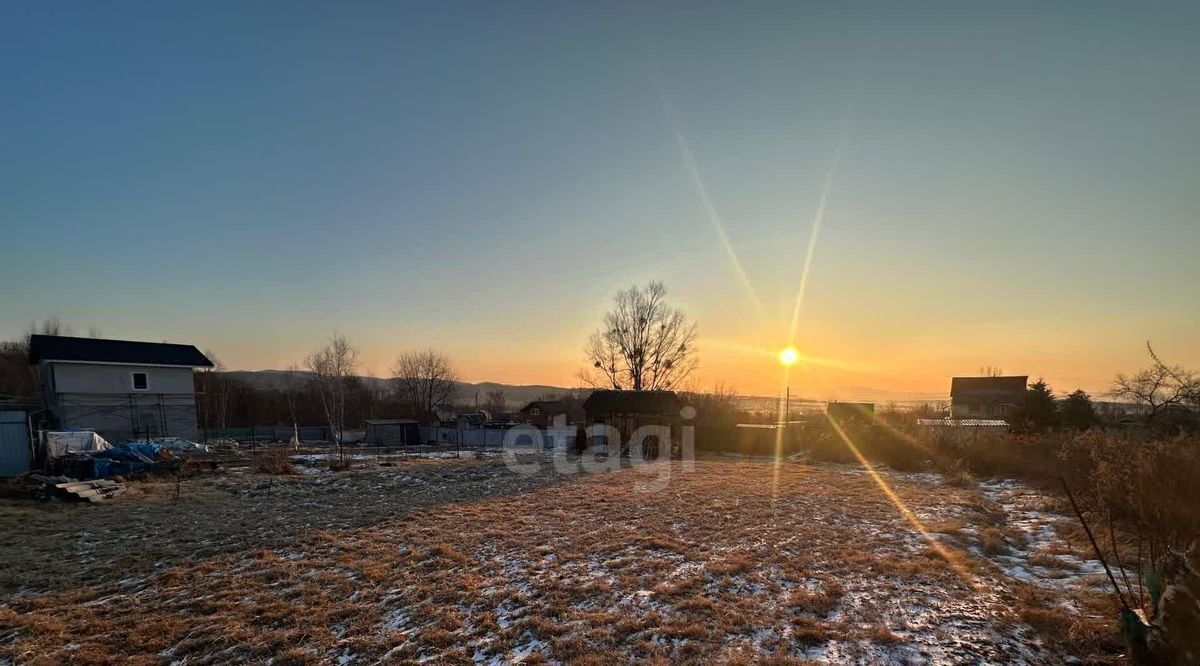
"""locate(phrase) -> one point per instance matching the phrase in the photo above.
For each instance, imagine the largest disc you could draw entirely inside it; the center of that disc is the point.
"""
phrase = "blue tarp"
(125, 458)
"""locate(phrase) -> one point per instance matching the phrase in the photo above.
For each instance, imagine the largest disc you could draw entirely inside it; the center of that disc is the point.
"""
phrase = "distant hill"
(517, 395)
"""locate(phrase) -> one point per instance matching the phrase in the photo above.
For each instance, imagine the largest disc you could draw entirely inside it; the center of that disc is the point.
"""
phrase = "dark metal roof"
(989, 387)
(633, 402)
(546, 405)
(97, 350)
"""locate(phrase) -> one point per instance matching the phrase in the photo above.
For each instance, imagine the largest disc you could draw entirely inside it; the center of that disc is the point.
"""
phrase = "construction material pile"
(62, 487)
(150, 457)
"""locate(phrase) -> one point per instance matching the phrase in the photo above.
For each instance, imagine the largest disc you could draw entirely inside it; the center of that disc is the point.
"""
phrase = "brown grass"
(589, 568)
(272, 461)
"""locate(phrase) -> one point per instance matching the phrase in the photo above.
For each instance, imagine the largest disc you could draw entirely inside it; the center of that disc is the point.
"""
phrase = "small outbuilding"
(986, 397)
(16, 454)
(545, 413)
(392, 432)
(629, 410)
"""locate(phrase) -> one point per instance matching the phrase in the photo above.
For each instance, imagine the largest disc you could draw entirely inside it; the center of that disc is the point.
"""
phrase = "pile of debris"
(88, 456)
(64, 487)
(123, 460)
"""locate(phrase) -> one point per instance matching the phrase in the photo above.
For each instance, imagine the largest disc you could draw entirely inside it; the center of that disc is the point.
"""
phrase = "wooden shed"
(629, 410)
(392, 432)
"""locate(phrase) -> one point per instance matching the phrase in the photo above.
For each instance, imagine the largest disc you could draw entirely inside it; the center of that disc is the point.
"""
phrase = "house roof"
(633, 402)
(985, 387)
(546, 405)
(963, 423)
(98, 350)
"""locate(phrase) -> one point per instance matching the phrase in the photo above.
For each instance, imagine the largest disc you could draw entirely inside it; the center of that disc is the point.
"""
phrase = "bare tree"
(332, 366)
(643, 345)
(17, 377)
(1158, 387)
(424, 380)
(51, 326)
(496, 402)
(215, 387)
(290, 389)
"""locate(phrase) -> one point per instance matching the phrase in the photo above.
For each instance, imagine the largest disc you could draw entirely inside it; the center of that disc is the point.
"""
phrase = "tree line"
(1165, 397)
(327, 390)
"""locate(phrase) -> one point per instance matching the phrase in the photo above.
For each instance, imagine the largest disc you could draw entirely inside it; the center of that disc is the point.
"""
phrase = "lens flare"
(955, 560)
(789, 356)
(714, 218)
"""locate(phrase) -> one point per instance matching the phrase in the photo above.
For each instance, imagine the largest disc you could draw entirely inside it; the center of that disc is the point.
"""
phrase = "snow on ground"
(310, 458)
(738, 560)
(1036, 553)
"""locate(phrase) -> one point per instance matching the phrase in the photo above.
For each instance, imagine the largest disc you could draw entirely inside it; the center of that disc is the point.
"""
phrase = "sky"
(1008, 184)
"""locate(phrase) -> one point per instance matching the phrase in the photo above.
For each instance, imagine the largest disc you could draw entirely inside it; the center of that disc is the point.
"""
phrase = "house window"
(535, 411)
(140, 381)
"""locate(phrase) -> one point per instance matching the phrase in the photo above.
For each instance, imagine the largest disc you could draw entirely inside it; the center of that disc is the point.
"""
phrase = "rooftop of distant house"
(609, 401)
(555, 405)
(64, 348)
(1013, 385)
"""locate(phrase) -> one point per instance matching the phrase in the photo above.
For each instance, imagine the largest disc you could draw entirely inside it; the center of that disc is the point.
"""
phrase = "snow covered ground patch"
(1036, 553)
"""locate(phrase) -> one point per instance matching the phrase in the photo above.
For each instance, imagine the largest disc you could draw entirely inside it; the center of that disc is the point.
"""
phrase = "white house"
(119, 388)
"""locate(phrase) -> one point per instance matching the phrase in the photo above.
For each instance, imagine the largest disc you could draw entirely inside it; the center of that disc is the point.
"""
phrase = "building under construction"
(119, 388)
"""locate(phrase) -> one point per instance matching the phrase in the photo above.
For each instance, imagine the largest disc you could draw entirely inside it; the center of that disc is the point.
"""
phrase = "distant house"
(843, 412)
(392, 432)
(119, 388)
(471, 420)
(503, 419)
(545, 413)
(629, 410)
(986, 397)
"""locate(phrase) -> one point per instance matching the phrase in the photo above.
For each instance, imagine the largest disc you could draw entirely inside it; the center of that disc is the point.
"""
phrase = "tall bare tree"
(214, 384)
(18, 379)
(1158, 387)
(424, 380)
(496, 402)
(644, 343)
(332, 366)
(51, 326)
(290, 389)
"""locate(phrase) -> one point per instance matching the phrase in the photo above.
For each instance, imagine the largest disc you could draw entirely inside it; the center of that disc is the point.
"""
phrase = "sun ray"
(714, 217)
(777, 459)
(815, 232)
(953, 559)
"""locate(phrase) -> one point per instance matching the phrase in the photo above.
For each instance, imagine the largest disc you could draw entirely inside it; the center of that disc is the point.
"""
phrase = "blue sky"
(1015, 182)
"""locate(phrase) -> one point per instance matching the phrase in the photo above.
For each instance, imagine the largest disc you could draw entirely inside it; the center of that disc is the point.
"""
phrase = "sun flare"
(789, 356)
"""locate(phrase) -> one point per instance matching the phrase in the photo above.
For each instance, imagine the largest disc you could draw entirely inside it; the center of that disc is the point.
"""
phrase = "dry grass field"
(462, 561)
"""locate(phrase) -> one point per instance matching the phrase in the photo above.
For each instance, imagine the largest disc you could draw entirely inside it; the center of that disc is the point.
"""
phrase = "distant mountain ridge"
(518, 395)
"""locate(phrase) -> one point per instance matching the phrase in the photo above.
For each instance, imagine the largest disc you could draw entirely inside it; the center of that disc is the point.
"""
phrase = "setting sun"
(789, 356)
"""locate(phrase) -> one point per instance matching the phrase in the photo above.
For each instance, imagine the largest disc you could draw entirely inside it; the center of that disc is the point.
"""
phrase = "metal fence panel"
(15, 454)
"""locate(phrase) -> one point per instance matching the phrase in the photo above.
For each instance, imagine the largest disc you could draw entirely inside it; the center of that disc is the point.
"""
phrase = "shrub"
(272, 461)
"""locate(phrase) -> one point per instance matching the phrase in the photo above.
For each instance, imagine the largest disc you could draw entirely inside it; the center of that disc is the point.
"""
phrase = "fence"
(491, 437)
(267, 434)
(483, 438)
